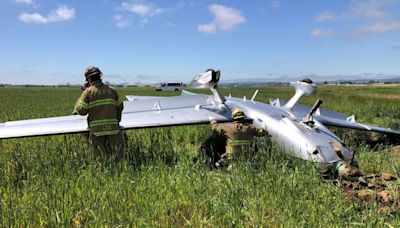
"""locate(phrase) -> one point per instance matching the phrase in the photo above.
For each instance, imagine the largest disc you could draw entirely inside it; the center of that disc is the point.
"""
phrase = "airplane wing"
(169, 111)
(132, 98)
(353, 125)
(335, 119)
(44, 126)
(138, 113)
(300, 110)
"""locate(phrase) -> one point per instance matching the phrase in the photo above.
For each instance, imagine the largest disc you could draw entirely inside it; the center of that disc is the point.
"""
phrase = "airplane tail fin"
(304, 87)
(209, 79)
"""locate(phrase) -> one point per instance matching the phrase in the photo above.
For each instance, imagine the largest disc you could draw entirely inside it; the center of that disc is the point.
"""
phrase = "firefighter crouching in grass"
(104, 107)
(239, 135)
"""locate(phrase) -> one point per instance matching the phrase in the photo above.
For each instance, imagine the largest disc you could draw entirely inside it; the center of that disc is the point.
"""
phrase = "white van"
(175, 86)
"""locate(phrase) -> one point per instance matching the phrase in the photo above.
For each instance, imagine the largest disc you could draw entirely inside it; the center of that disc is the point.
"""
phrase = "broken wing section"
(141, 113)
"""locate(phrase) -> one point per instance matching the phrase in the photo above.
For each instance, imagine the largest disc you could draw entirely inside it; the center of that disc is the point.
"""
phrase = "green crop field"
(54, 181)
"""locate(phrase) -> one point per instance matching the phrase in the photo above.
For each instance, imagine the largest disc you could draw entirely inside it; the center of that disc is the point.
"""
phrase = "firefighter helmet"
(92, 71)
(238, 114)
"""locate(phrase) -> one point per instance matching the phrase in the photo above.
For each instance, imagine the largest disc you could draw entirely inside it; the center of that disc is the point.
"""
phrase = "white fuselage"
(293, 136)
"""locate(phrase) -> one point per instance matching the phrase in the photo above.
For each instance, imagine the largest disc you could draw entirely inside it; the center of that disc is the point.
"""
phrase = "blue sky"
(53, 41)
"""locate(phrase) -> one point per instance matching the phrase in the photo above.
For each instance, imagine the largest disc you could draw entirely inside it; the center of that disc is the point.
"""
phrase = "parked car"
(174, 86)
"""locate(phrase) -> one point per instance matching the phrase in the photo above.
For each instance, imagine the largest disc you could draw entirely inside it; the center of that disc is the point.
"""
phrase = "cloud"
(121, 21)
(372, 18)
(325, 16)
(359, 9)
(207, 28)
(33, 18)
(367, 9)
(322, 32)
(375, 28)
(28, 2)
(62, 13)
(225, 19)
(142, 9)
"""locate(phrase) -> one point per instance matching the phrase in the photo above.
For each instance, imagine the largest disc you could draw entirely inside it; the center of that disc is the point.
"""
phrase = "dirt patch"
(385, 197)
(388, 177)
(378, 190)
(395, 153)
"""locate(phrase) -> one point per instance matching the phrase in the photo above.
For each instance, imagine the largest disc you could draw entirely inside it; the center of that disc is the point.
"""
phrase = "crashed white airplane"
(297, 129)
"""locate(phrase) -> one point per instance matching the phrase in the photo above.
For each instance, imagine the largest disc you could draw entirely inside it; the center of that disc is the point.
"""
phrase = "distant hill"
(339, 79)
(277, 81)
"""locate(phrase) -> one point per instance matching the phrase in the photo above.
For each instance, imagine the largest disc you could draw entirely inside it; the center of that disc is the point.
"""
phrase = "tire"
(177, 90)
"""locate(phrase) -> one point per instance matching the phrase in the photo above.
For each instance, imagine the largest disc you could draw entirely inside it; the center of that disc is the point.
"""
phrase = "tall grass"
(54, 181)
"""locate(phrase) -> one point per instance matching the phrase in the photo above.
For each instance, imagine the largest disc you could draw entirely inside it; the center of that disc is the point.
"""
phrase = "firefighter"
(239, 135)
(104, 107)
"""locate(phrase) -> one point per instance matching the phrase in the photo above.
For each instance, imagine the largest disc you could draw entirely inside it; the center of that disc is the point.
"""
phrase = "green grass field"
(54, 181)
